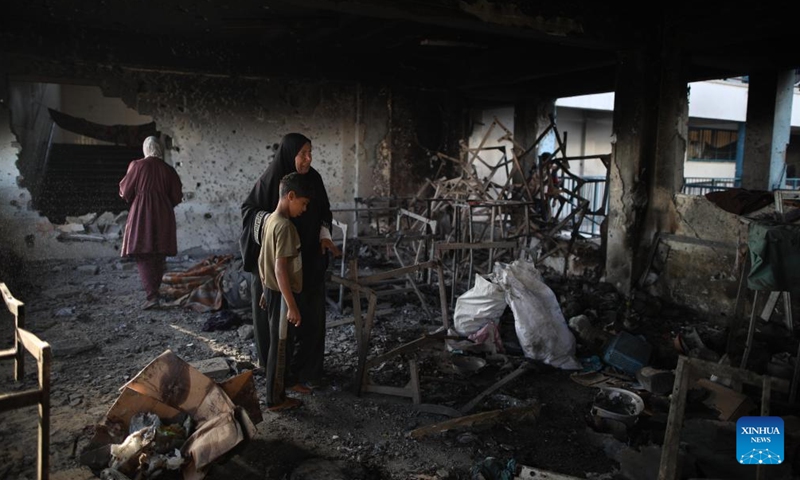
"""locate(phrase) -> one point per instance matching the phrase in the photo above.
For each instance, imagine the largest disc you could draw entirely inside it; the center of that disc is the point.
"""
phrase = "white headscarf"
(152, 147)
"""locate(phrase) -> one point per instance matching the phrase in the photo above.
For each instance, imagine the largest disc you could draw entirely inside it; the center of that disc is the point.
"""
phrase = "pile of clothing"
(216, 282)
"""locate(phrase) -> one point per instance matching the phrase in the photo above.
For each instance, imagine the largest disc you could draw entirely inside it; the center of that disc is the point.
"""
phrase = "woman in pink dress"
(153, 189)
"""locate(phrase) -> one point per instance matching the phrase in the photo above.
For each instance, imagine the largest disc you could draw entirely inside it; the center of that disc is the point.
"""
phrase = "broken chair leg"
(517, 414)
(503, 381)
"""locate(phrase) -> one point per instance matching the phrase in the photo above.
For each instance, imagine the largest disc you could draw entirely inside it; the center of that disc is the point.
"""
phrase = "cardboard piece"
(168, 387)
(729, 403)
(241, 389)
(131, 402)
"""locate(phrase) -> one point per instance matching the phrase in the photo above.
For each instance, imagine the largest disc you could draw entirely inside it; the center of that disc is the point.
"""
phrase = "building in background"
(714, 153)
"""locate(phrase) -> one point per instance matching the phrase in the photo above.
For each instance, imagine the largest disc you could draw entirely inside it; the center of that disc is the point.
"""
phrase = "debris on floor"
(172, 417)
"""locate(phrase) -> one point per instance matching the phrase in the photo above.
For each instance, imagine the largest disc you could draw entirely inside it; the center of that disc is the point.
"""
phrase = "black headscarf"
(264, 197)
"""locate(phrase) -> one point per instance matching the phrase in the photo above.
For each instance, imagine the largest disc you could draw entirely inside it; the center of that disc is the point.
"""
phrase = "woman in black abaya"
(313, 226)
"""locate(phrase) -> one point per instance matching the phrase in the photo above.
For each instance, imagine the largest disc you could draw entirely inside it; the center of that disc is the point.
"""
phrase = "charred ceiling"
(484, 49)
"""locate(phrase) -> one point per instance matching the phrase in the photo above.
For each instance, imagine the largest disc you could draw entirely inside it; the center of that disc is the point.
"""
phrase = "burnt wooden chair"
(25, 340)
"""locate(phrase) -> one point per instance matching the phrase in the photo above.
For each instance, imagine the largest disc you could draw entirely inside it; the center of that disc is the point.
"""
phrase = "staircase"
(80, 179)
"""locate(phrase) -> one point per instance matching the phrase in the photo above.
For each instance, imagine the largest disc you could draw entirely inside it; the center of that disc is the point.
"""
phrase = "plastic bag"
(485, 302)
(541, 329)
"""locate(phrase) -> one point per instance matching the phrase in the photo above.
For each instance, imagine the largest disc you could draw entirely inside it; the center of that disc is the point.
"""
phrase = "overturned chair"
(25, 340)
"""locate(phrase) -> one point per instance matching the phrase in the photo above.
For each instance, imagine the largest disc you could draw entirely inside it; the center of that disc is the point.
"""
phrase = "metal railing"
(703, 185)
(593, 190)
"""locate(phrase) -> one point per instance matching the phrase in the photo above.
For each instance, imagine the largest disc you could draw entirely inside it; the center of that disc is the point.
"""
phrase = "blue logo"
(759, 440)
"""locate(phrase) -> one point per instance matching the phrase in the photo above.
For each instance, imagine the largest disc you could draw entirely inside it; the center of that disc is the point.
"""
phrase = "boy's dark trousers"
(277, 365)
(260, 321)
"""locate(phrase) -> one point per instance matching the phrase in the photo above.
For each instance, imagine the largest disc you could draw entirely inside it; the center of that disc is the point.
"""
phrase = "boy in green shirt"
(281, 270)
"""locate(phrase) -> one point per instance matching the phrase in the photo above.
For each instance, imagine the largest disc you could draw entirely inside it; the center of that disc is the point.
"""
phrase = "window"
(709, 145)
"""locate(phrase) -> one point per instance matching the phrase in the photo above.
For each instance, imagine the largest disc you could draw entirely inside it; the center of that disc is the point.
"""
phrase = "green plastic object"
(774, 257)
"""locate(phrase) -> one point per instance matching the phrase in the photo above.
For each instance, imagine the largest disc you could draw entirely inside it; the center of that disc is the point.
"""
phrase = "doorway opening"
(76, 147)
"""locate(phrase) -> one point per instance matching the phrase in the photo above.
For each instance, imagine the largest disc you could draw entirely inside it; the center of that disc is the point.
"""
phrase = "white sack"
(483, 303)
(541, 329)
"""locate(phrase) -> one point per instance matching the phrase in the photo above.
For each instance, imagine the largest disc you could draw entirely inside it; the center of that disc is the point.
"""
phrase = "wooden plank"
(14, 305)
(516, 414)
(766, 395)
(413, 383)
(359, 322)
(44, 359)
(8, 353)
(388, 390)
(751, 330)
(363, 343)
(769, 307)
(438, 410)
(32, 343)
(418, 217)
(339, 323)
(735, 321)
(393, 291)
(499, 384)
(744, 376)
(17, 308)
(407, 347)
(398, 272)
(352, 285)
(787, 308)
(42, 353)
(667, 469)
(443, 296)
(13, 401)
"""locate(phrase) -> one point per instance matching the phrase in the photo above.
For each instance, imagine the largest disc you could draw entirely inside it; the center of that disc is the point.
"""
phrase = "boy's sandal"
(287, 404)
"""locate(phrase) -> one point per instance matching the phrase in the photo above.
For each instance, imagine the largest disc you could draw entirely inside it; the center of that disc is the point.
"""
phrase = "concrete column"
(651, 113)
(633, 143)
(769, 111)
(671, 133)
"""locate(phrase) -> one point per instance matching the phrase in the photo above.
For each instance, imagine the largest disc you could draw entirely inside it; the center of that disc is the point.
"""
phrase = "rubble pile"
(500, 204)
(538, 201)
(106, 227)
(172, 417)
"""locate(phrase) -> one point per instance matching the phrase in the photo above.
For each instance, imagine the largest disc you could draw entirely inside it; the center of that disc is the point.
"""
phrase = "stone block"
(656, 381)
(216, 368)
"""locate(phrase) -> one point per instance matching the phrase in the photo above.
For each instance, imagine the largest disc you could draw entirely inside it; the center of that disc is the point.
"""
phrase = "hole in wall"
(76, 147)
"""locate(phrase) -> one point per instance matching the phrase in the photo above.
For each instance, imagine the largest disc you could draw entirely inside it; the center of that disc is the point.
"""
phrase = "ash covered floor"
(90, 314)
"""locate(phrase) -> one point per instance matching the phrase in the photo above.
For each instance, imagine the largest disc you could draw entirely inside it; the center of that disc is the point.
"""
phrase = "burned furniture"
(692, 368)
(27, 341)
(365, 286)
(770, 269)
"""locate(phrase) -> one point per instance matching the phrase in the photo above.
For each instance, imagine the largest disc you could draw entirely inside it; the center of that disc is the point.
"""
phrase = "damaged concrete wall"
(24, 231)
(222, 133)
(700, 268)
(422, 124)
(31, 124)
